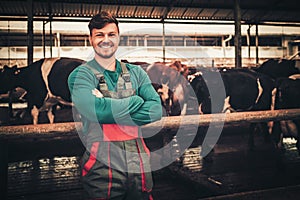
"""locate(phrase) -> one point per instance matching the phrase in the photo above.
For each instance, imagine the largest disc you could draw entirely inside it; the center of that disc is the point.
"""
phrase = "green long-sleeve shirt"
(140, 109)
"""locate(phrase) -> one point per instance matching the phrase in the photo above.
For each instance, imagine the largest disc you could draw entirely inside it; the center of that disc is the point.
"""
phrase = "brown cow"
(160, 73)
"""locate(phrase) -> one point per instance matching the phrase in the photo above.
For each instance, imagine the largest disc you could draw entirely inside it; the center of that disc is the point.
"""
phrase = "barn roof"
(252, 11)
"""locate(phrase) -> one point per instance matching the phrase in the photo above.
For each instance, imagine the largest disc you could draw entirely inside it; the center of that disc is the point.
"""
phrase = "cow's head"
(163, 92)
(202, 93)
(181, 68)
(8, 76)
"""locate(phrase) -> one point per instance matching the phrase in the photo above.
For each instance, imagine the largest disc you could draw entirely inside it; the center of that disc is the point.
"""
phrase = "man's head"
(102, 19)
(104, 35)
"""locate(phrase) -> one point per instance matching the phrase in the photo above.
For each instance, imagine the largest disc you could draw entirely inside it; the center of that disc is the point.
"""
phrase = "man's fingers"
(97, 93)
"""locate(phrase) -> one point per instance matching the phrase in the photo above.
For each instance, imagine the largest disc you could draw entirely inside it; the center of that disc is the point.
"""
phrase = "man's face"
(105, 41)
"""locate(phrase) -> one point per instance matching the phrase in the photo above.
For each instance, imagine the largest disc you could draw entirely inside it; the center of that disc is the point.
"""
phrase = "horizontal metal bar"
(68, 129)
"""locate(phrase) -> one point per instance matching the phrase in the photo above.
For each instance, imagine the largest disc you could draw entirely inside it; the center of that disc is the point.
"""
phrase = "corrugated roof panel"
(56, 9)
(210, 4)
(158, 12)
(96, 9)
(23, 8)
(10, 7)
(91, 9)
(113, 9)
(41, 9)
(222, 13)
(143, 11)
(69, 9)
(278, 15)
(254, 10)
(251, 15)
(126, 11)
(176, 13)
(207, 12)
(192, 13)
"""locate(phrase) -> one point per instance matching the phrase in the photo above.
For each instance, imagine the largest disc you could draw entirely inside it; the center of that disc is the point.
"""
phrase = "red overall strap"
(92, 159)
(116, 132)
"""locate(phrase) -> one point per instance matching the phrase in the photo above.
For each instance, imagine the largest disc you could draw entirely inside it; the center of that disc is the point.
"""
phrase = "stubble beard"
(104, 55)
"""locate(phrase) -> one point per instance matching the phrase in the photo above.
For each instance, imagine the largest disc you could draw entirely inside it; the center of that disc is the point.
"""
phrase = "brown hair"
(101, 19)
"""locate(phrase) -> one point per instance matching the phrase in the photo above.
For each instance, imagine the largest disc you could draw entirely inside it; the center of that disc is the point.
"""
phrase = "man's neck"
(108, 64)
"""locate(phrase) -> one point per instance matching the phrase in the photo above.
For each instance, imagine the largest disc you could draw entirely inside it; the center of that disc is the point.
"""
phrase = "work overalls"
(116, 162)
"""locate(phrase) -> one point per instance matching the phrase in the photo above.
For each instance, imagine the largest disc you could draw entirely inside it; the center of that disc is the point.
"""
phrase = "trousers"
(117, 170)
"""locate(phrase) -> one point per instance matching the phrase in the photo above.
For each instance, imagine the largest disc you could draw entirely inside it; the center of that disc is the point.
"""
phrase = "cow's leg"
(293, 131)
(184, 109)
(50, 115)
(200, 109)
(251, 136)
(227, 106)
(298, 145)
(35, 114)
(298, 136)
(280, 142)
(288, 129)
(277, 135)
(264, 129)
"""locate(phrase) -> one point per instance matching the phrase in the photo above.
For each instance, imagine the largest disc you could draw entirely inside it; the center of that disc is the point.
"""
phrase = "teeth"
(105, 46)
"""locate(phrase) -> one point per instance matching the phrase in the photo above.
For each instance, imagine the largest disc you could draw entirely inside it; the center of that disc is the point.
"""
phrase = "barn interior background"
(199, 33)
(196, 32)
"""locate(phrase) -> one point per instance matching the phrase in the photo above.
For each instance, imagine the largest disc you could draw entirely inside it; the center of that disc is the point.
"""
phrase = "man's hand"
(97, 93)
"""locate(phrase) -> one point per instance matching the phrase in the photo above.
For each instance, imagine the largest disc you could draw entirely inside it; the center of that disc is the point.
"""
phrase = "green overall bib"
(116, 163)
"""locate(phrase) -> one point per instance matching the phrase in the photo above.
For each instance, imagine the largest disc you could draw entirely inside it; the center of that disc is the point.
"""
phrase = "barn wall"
(193, 55)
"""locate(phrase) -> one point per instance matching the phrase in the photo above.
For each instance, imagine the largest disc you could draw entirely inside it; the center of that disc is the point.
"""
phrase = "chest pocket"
(124, 86)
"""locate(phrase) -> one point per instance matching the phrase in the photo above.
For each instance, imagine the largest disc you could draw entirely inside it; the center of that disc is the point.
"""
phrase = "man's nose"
(106, 38)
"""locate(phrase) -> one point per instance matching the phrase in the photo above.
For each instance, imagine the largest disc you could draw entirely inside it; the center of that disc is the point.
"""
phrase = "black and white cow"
(276, 68)
(245, 90)
(45, 82)
(287, 96)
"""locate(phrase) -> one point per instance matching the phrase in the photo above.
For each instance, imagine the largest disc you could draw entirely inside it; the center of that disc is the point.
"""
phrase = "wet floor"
(230, 169)
(58, 178)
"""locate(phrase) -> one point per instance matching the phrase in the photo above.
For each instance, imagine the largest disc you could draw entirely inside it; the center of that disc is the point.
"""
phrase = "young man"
(113, 100)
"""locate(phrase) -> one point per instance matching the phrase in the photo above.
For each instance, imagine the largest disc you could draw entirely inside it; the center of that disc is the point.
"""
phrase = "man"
(113, 100)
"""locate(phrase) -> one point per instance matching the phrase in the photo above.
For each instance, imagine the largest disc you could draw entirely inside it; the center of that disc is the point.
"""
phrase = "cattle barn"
(227, 73)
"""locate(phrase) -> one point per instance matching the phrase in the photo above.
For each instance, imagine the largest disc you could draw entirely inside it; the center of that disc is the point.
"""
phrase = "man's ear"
(90, 40)
(119, 37)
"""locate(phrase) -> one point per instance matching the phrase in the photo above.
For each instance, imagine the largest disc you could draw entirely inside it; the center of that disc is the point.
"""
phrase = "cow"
(287, 96)
(276, 68)
(170, 105)
(181, 68)
(286, 77)
(160, 73)
(45, 82)
(245, 90)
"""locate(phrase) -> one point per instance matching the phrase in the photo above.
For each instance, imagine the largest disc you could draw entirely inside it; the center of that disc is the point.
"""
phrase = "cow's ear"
(4, 68)
(17, 72)
(15, 69)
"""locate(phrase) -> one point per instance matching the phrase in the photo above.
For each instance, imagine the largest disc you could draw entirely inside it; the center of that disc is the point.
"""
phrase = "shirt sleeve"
(103, 110)
(151, 109)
